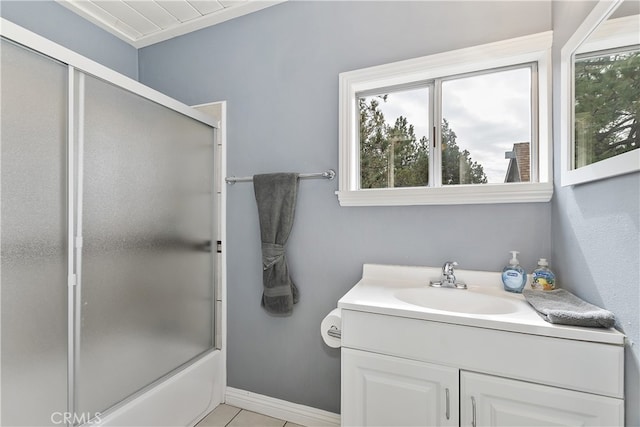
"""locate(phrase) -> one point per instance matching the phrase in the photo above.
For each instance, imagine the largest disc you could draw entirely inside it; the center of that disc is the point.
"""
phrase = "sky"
(488, 113)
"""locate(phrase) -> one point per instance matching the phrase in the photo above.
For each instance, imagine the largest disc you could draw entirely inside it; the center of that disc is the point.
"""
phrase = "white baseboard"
(299, 414)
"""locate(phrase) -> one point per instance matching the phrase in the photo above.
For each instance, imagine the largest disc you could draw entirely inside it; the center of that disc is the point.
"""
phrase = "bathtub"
(181, 399)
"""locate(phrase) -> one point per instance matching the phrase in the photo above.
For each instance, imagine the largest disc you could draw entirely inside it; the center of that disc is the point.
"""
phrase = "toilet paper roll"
(333, 319)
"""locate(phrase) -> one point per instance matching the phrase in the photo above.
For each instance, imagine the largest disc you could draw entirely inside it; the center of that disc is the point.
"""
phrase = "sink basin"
(456, 300)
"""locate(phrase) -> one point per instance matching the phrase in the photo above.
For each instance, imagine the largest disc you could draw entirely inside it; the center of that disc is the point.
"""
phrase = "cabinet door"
(380, 390)
(492, 401)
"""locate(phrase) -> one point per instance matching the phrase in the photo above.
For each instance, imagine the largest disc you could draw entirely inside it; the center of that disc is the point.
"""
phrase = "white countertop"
(376, 293)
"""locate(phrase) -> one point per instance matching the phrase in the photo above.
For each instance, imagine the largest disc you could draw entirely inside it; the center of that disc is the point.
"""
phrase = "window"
(394, 138)
(607, 90)
(467, 126)
(600, 82)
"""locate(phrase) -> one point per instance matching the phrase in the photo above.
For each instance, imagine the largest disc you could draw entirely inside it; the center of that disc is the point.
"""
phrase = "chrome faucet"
(448, 278)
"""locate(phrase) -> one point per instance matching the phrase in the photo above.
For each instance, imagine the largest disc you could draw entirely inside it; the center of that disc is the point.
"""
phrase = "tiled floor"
(230, 416)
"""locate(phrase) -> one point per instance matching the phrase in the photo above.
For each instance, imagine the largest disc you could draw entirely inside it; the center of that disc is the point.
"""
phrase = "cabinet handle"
(473, 411)
(446, 392)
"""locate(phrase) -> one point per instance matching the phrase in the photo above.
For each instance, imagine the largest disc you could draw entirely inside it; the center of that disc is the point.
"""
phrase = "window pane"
(486, 128)
(394, 139)
(607, 90)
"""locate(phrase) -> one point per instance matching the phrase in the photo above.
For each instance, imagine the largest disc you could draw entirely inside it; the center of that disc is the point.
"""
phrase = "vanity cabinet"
(380, 390)
(399, 371)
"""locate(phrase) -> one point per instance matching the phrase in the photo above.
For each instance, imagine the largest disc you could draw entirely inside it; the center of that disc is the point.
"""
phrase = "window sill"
(621, 164)
(453, 195)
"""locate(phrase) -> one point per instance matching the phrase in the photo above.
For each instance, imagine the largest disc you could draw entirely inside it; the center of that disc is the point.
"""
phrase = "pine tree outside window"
(606, 105)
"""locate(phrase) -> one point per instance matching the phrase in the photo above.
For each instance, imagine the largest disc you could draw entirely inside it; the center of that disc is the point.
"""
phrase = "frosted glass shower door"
(33, 240)
(147, 294)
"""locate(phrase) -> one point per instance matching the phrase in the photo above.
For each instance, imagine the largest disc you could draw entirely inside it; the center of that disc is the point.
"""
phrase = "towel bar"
(328, 174)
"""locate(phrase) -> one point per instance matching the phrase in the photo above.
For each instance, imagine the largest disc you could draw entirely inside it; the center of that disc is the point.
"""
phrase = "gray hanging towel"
(276, 198)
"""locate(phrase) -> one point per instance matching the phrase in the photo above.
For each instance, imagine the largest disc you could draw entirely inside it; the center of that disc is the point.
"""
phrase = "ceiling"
(144, 22)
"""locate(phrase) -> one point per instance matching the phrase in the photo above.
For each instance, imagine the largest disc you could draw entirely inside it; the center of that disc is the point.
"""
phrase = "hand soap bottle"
(513, 276)
(543, 278)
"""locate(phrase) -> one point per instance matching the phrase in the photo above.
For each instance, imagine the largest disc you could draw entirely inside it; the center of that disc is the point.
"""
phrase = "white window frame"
(594, 34)
(521, 50)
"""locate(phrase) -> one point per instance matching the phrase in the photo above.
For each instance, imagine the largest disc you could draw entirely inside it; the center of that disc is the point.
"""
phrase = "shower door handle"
(204, 246)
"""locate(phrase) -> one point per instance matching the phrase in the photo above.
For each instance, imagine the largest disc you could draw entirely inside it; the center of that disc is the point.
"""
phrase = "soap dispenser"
(543, 277)
(513, 276)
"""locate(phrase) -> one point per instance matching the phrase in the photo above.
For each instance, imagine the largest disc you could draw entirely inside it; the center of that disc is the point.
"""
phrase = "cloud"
(489, 113)
(412, 104)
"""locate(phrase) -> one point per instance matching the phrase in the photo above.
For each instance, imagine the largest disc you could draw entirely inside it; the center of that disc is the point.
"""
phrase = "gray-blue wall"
(596, 231)
(278, 70)
(58, 24)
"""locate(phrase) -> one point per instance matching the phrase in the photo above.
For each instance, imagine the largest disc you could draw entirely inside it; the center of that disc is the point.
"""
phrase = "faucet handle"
(447, 268)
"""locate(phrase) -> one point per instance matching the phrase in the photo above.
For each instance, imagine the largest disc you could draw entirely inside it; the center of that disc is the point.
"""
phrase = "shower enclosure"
(107, 228)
